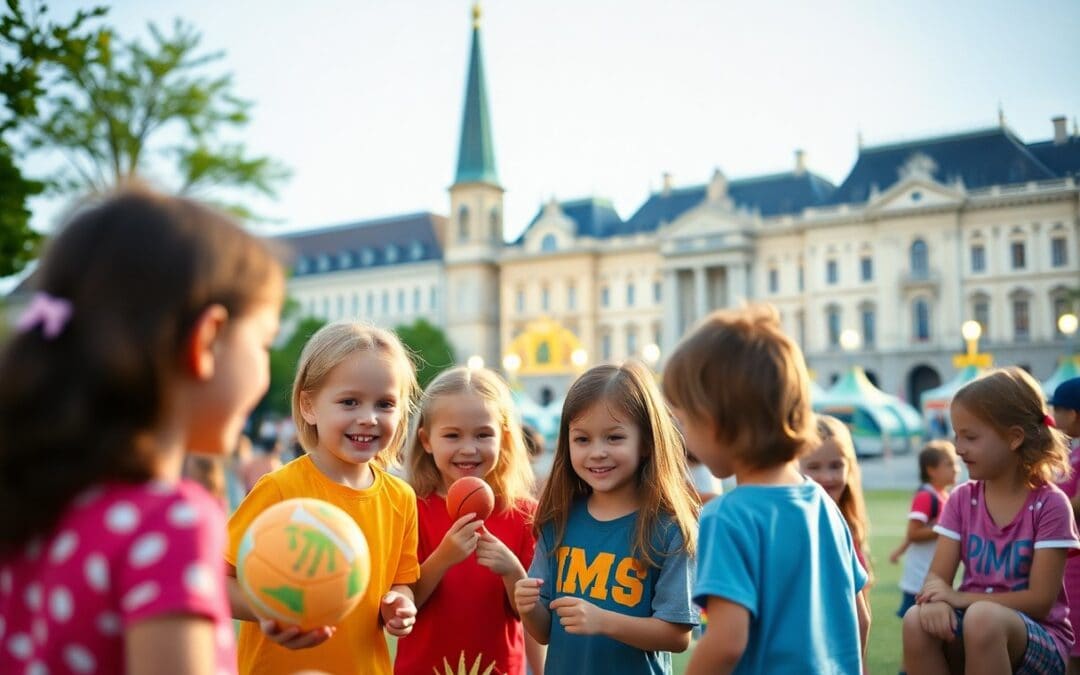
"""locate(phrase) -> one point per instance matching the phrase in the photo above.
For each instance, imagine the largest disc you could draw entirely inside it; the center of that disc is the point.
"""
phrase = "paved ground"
(887, 473)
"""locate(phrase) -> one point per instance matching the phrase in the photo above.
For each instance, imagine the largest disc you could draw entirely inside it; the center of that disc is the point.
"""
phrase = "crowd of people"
(145, 351)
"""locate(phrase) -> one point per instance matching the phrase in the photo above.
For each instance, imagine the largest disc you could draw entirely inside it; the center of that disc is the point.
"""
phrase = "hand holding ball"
(470, 495)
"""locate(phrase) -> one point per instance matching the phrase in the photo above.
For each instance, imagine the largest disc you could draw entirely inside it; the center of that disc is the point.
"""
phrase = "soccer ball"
(303, 562)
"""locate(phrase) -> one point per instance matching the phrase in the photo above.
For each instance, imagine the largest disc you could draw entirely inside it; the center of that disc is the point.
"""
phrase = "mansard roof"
(979, 158)
(592, 217)
(407, 238)
(1063, 159)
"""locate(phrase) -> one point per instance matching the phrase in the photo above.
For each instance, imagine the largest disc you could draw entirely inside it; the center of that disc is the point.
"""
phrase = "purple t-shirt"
(998, 559)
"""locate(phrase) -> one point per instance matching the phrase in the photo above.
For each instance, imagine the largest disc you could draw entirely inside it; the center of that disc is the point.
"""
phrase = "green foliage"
(431, 349)
(283, 362)
(108, 105)
(18, 243)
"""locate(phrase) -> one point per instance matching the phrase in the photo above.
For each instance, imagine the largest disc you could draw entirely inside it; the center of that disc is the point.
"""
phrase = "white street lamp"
(850, 339)
(650, 353)
(1067, 324)
(475, 362)
(579, 357)
(971, 330)
(511, 363)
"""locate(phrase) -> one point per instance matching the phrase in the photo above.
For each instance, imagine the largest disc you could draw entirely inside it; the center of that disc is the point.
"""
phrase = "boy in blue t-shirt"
(777, 569)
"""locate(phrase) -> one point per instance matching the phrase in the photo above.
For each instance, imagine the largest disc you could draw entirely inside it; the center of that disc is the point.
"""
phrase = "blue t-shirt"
(594, 562)
(784, 553)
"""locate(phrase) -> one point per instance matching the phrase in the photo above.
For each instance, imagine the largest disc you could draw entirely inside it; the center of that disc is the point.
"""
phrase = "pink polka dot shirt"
(121, 554)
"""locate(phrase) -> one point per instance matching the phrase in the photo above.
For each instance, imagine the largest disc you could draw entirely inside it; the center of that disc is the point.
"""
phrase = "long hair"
(138, 269)
(630, 393)
(332, 344)
(511, 477)
(852, 504)
(1008, 399)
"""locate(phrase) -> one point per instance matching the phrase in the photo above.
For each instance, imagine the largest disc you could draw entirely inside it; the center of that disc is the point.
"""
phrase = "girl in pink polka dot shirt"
(147, 338)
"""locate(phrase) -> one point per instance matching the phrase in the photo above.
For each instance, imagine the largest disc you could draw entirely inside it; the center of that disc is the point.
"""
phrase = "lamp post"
(579, 357)
(475, 362)
(1067, 324)
(971, 332)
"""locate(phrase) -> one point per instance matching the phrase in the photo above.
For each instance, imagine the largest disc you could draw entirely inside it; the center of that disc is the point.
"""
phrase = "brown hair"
(663, 487)
(932, 455)
(511, 478)
(852, 504)
(138, 269)
(1008, 399)
(740, 371)
(332, 344)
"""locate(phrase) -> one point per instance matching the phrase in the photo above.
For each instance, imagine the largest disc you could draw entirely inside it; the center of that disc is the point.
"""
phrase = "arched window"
(549, 243)
(345, 260)
(920, 259)
(416, 250)
(367, 257)
(392, 253)
(543, 353)
(463, 222)
(495, 220)
(920, 320)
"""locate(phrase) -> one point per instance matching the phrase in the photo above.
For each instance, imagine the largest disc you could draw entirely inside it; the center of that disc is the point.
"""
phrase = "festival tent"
(1069, 368)
(879, 422)
(539, 417)
(935, 402)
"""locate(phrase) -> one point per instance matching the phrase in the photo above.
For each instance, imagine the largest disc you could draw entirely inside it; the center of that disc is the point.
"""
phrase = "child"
(147, 337)
(778, 571)
(609, 586)
(351, 397)
(937, 473)
(466, 427)
(1066, 403)
(1011, 527)
(834, 466)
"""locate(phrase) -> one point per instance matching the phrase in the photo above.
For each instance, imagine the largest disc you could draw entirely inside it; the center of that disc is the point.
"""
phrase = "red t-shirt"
(468, 618)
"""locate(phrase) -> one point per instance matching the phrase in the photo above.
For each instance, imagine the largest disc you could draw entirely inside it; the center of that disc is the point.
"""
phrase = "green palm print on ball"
(316, 545)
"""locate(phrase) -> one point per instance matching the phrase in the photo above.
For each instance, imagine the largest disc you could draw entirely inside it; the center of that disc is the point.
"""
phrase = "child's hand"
(461, 539)
(398, 613)
(579, 617)
(495, 555)
(936, 590)
(894, 557)
(938, 619)
(292, 638)
(527, 594)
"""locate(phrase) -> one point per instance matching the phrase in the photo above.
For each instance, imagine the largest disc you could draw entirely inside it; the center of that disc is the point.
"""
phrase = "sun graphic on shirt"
(463, 669)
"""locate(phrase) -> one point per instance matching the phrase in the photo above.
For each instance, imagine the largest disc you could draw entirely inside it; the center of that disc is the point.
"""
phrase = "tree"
(110, 106)
(430, 347)
(283, 362)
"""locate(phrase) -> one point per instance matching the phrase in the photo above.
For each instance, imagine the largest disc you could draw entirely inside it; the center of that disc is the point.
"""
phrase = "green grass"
(888, 511)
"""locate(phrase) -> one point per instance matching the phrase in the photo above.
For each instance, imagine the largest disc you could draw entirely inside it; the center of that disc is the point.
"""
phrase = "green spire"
(476, 157)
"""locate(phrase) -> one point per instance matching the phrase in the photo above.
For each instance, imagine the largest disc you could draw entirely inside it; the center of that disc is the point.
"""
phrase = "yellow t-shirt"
(386, 513)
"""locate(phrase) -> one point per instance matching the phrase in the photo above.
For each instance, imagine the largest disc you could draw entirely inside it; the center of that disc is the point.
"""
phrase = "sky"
(362, 99)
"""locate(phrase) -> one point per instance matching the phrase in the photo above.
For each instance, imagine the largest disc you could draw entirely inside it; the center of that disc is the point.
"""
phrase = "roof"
(980, 158)
(1064, 159)
(592, 217)
(476, 155)
(408, 238)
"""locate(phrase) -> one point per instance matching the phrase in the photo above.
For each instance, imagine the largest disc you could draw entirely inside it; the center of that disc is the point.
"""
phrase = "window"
(631, 341)
(367, 257)
(630, 294)
(355, 305)
(1059, 254)
(832, 320)
(605, 296)
(980, 311)
(463, 223)
(869, 325)
(920, 320)
(657, 292)
(495, 221)
(832, 272)
(549, 243)
(802, 278)
(401, 301)
(978, 258)
(1021, 319)
(866, 268)
(416, 250)
(392, 253)
(340, 306)
(325, 307)
(370, 303)
(324, 263)
(545, 299)
(520, 302)
(920, 259)
(571, 297)
(345, 259)
(1018, 255)
(302, 265)
(386, 302)
(774, 280)
(657, 335)
(434, 298)
(416, 300)
(605, 346)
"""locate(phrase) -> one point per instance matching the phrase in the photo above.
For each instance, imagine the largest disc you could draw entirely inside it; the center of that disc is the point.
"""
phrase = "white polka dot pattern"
(65, 544)
(139, 596)
(96, 569)
(182, 515)
(147, 550)
(61, 605)
(79, 659)
(198, 579)
(108, 623)
(20, 646)
(122, 518)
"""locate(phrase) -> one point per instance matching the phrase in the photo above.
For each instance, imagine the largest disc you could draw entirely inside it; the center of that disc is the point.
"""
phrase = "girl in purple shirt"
(1012, 528)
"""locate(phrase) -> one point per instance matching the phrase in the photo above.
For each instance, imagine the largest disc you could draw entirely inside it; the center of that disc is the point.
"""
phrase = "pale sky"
(363, 99)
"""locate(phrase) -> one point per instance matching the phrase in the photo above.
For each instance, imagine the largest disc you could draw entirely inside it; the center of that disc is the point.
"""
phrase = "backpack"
(935, 501)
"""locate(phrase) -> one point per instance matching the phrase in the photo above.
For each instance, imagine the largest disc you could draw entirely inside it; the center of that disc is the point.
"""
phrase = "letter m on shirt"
(580, 577)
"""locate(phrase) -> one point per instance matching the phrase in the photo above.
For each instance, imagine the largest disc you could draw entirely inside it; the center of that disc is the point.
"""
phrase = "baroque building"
(919, 237)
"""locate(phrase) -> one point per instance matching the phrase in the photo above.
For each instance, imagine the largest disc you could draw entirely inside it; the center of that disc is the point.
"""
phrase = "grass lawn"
(888, 515)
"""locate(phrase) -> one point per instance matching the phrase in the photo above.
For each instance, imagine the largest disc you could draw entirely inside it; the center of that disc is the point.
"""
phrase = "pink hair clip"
(1048, 421)
(47, 311)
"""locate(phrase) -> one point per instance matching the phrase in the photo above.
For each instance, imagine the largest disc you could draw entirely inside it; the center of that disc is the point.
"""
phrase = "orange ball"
(303, 562)
(470, 495)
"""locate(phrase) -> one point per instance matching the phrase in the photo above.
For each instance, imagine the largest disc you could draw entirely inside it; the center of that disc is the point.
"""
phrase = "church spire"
(476, 156)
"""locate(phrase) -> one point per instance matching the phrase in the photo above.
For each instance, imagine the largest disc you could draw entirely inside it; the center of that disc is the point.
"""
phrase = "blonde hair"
(1008, 399)
(852, 504)
(511, 477)
(663, 486)
(331, 345)
(740, 371)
